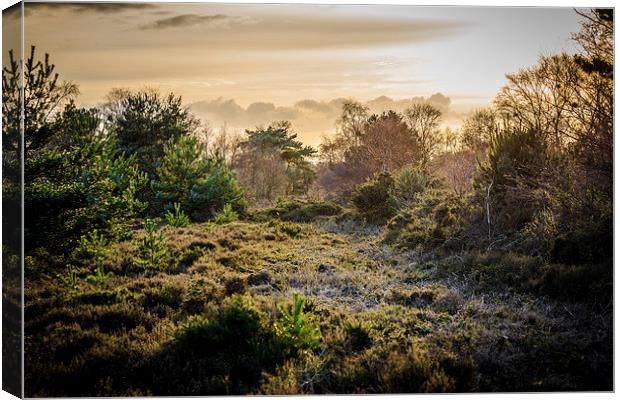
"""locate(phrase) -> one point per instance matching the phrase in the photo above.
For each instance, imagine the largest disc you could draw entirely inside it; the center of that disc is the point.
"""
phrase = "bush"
(408, 182)
(296, 210)
(512, 171)
(295, 327)
(374, 200)
(153, 252)
(285, 229)
(576, 282)
(591, 244)
(227, 215)
(178, 219)
(435, 218)
(202, 185)
(223, 352)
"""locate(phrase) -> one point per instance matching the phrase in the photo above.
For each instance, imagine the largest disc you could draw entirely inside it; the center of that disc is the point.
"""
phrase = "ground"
(390, 321)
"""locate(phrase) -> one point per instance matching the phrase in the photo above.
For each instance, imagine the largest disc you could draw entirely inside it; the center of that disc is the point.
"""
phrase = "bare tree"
(352, 120)
(479, 128)
(423, 120)
(542, 98)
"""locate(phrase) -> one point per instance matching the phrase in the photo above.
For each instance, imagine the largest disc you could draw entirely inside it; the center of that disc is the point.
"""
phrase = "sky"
(245, 65)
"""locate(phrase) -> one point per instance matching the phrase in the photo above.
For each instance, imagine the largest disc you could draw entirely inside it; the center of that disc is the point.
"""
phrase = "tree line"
(542, 152)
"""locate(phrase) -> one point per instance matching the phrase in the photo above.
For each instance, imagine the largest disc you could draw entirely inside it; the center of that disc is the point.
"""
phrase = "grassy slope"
(390, 322)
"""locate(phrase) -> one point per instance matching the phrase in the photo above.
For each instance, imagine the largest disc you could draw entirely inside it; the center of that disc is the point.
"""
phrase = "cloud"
(313, 105)
(221, 111)
(186, 20)
(80, 8)
(310, 118)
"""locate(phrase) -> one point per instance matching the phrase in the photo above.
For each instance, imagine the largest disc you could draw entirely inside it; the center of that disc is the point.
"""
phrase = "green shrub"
(168, 295)
(408, 183)
(235, 284)
(374, 200)
(296, 210)
(202, 185)
(103, 297)
(435, 217)
(235, 327)
(100, 276)
(178, 219)
(295, 328)
(358, 335)
(91, 246)
(200, 292)
(285, 229)
(153, 253)
(226, 351)
(71, 277)
(226, 216)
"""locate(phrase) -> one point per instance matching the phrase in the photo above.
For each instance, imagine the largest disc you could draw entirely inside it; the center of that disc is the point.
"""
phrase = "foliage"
(435, 220)
(423, 120)
(80, 182)
(100, 276)
(513, 169)
(479, 128)
(71, 277)
(178, 219)
(297, 210)
(374, 201)
(408, 182)
(273, 162)
(382, 143)
(153, 252)
(145, 121)
(227, 215)
(202, 184)
(296, 328)
(526, 305)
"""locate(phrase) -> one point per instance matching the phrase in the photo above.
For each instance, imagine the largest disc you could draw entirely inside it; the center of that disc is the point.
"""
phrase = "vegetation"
(157, 264)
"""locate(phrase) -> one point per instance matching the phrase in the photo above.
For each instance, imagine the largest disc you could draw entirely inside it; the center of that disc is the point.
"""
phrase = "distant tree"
(423, 120)
(479, 128)
(352, 120)
(383, 143)
(386, 144)
(449, 139)
(225, 143)
(272, 162)
(457, 170)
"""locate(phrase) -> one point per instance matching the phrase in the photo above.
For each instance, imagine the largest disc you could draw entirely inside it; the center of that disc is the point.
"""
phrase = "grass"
(215, 321)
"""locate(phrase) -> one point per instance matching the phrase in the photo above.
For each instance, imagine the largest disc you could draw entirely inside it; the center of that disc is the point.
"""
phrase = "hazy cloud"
(79, 8)
(185, 20)
(310, 118)
(317, 106)
(220, 111)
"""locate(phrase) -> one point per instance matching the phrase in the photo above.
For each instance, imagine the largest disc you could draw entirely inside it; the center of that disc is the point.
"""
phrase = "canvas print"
(236, 199)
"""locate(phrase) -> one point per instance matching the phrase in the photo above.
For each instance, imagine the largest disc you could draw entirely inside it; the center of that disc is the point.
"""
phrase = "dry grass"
(391, 321)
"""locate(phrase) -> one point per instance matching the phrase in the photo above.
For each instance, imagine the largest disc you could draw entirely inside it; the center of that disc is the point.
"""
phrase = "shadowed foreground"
(387, 321)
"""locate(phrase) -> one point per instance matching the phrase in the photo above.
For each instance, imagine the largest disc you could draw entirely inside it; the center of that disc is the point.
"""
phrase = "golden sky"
(245, 64)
